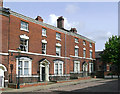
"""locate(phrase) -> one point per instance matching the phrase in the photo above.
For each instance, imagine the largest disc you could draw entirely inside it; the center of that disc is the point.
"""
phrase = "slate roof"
(97, 54)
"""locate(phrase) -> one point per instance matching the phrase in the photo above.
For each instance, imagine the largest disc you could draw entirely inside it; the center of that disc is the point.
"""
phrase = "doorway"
(2, 70)
(43, 73)
(44, 70)
(85, 69)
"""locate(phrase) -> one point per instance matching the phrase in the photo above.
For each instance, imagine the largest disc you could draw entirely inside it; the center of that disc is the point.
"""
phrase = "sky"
(95, 20)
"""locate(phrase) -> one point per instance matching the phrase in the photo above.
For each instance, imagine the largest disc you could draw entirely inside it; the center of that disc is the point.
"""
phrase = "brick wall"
(11, 41)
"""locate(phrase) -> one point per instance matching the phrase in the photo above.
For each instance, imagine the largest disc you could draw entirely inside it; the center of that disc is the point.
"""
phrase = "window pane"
(60, 68)
(23, 45)
(77, 67)
(90, 54)
(76, 52)
(43, 31)
(76, 40)
(26, 64)
(26, 71)
(43, 48)
(84, 43)
(20, 64)
(56, 68)
(84, 53)
(24, 25)
(90, 44)
(58, 51)
(58, 36)
(21, 71)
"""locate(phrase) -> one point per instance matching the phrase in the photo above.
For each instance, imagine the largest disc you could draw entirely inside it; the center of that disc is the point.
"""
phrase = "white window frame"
(58, 51)
(90, 45)
(77, 51)
(76, 65)
(58, 62)
(58, 36)
(91, 67)
(91, 54)
(44, 32)
(22, 26)
(23, 59)
(84, 42)
(26, 46)
(84, 52)
(44, 48)
(76, 40)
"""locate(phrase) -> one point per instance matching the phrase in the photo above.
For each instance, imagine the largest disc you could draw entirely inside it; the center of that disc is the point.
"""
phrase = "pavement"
(89, 85)
(44, 87)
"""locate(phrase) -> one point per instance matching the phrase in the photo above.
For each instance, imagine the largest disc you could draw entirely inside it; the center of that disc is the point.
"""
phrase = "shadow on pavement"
(110, 87)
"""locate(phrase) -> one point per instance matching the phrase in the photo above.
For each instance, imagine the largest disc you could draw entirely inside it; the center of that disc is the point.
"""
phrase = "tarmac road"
(92, 86)
(96, 86)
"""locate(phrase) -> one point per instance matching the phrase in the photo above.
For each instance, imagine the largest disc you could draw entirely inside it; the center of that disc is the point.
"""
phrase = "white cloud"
(67, 25)
(71, 9)
(99, 36)
(52, 19)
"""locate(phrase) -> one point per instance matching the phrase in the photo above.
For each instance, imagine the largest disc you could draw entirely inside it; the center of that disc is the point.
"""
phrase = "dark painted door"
(43, 73)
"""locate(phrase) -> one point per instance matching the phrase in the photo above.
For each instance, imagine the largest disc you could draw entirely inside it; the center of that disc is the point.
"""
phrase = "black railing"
(23, 79)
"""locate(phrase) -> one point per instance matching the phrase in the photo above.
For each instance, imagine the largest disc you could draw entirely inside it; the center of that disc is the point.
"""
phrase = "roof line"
(49, 26)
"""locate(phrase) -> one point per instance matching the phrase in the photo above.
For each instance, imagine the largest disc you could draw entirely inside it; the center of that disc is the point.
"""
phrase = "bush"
(109, 74)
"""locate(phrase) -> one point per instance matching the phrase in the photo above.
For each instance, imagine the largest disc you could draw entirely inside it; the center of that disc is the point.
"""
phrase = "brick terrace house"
(103, 69)
(46, 52)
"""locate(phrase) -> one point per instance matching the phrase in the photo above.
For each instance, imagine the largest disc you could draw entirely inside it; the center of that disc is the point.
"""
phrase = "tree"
(111, 53)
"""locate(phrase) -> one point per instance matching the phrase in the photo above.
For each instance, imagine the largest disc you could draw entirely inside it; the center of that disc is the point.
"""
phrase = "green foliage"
(111, 53)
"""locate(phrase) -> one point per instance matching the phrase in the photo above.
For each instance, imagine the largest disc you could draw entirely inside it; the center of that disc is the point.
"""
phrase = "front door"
(44, 70)
(85, 69)
(43, 73)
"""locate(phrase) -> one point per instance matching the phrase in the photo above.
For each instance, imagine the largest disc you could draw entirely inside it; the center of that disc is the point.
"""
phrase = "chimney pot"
(73, 30)
(1, 3)
(60, 22)
(39, 19)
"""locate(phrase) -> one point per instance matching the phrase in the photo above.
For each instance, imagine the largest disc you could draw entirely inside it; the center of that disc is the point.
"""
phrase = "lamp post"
(18, 81)
(11, 67)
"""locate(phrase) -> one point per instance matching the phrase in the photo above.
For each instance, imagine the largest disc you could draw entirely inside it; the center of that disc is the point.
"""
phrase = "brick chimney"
(73, 30)
(39, 19)
(1, 3)
(60, 22)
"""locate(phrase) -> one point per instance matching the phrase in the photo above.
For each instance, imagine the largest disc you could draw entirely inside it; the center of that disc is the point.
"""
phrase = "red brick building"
(103, 69)
(46, 53)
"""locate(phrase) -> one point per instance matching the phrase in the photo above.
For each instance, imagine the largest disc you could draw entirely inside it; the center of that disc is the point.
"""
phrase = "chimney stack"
(73, 30)
(1, 3)
(60, 22)
(39, 19)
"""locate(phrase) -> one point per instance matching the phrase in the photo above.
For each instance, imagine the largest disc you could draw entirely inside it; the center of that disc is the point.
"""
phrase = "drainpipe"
(65, 56)
(8, 47)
